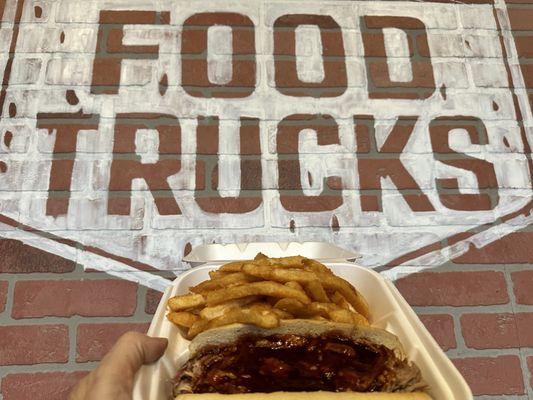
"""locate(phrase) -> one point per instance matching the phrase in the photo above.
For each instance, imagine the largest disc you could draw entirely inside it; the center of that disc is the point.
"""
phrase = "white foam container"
(389, 310)
(246, 251)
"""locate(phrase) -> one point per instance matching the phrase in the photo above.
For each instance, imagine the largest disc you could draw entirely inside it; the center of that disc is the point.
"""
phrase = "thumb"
(152, 348)
(131, 351)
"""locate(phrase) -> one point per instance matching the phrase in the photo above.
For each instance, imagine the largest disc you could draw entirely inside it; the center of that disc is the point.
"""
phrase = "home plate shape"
(132, 131)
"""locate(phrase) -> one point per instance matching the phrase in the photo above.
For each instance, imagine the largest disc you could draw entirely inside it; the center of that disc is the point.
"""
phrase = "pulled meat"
(264, 364)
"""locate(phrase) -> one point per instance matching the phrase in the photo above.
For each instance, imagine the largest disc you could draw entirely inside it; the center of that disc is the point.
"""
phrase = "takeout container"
(221, 253)
(389, 311)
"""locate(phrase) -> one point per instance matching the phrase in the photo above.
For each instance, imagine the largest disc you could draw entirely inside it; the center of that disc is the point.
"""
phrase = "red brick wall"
(479, 308)
(478, 305)
(58, 321)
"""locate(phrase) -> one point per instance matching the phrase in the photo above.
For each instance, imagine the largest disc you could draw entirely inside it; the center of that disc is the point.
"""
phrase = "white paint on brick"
(308, 49)
(68, 71)
(219, 50)
(487, 45)
(136, 72)
(26, 71)
(147, 145)
(398, 59)
(474, 77)
(451, 74)
(477, 17)
(445, 45)
(46, 39)
(489, 74)
(229, 164)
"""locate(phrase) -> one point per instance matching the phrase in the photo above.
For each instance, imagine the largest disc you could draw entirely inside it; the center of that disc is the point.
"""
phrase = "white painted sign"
(135, 128)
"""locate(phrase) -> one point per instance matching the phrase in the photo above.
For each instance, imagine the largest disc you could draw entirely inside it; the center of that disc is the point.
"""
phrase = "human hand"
(113, 379)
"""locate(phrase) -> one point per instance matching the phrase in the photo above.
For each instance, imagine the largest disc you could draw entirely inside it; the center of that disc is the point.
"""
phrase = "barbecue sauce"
(331, 362)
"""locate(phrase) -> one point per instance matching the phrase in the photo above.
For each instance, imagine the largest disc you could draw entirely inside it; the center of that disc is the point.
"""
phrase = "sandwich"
(314, 341)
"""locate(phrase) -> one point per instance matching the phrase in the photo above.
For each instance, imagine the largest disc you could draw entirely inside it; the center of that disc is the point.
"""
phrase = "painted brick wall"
(477, 302)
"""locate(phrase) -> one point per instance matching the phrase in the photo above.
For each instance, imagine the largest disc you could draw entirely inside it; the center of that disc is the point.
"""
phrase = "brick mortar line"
(511, 6)
(528, 351)
(277, 229)
(191, 157)
(526, 372)
(67, 276)
(481, 309)
(460, 346)
(207, 91)
(260, 91)
(141, 304)
(475, 353)
(188, 118)
(466, 267)
(9, 303)
(50, 276)
(72, 340)
(48, 367)
(209, 192)
(349, 229)
(460, 310)
(511, 267)
(256, 192)
(147, 56)
(76, 319)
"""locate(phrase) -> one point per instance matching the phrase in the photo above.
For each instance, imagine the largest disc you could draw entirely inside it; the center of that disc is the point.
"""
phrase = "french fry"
(184, 302)
(322, 309)
(348, 291)
(272, 289)
(341, 301)
(358, 319)
(259, 307)
(335, 313)
(293, 306)
(279, 275)
(232, 266)
(292, 262)
(183, 318)
(264, 291)
(341, 315)
(316, 291)
(224, 281)
(294, 285)
(262, 318)
(196, 328)
(217, 311)
(282, 314)
(217, 274)
(315, 266)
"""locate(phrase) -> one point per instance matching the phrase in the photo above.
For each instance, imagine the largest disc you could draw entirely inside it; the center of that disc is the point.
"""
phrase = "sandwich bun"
(406, 371)
(307, 396)
(305, 327)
